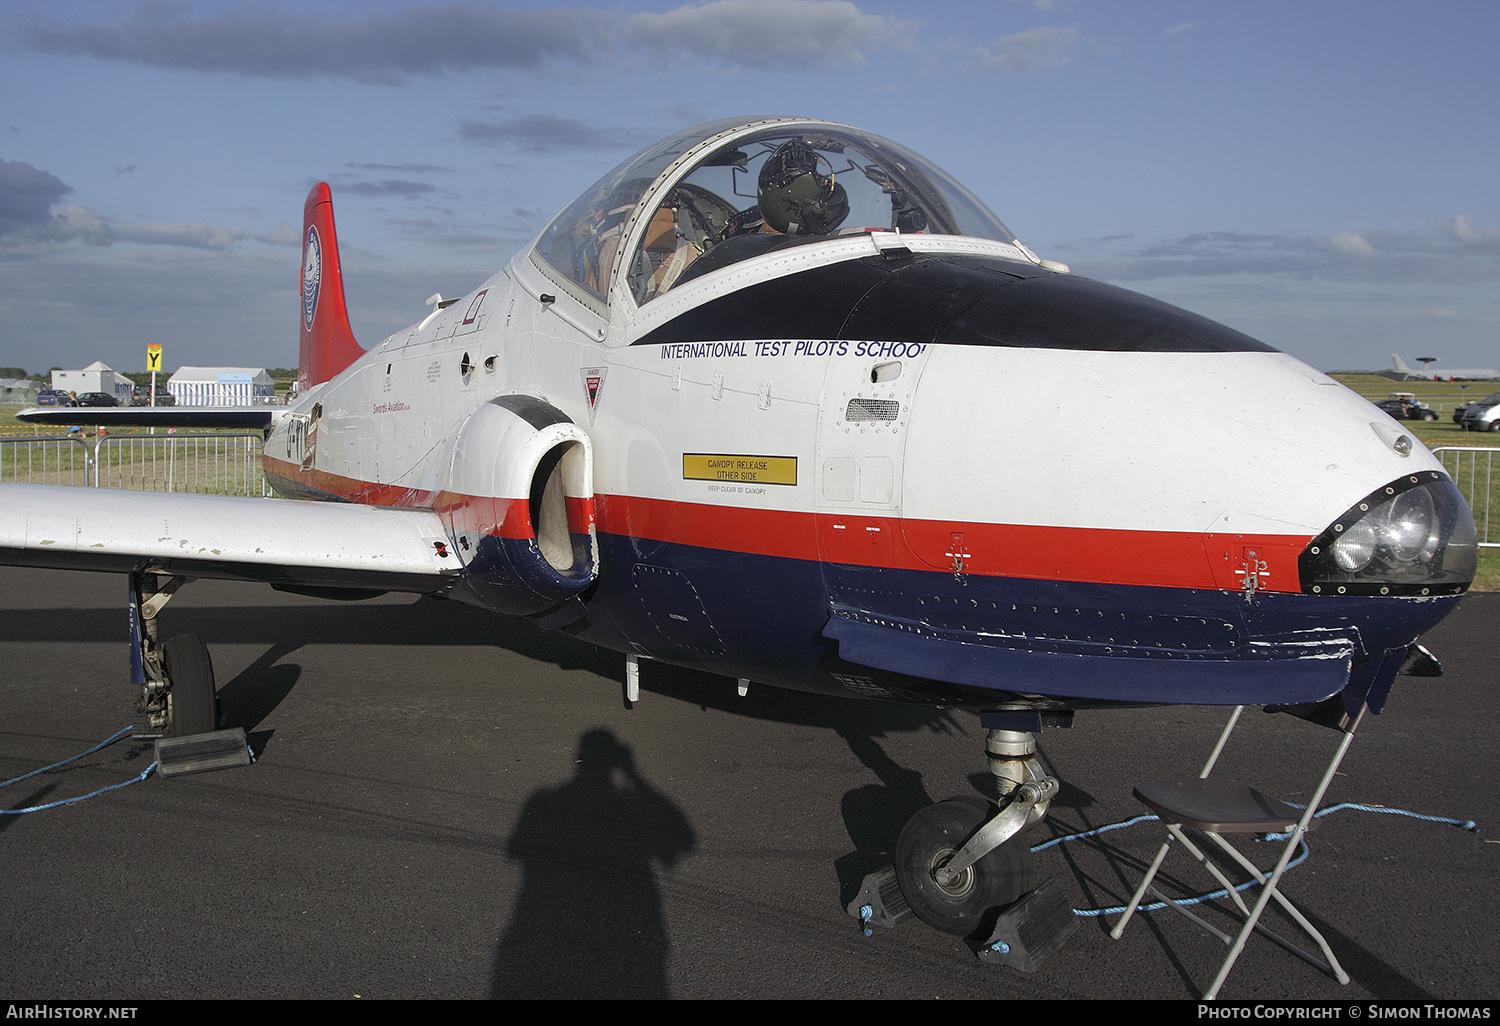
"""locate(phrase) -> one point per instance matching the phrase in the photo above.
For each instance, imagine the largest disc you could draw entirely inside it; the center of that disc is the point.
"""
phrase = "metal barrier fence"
(1472, 470)
(47, 460)
(205, 464)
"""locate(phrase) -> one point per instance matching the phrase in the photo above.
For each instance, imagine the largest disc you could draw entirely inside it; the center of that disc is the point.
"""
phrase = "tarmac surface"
(453, 804)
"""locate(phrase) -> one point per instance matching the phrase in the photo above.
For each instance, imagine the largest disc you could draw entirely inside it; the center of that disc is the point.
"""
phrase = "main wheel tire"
(930, 838)
(192, 700)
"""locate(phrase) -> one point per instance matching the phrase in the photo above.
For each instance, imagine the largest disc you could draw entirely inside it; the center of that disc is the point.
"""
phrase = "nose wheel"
(957, 903)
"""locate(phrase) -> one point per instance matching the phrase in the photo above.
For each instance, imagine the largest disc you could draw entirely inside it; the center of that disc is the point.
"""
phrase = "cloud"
(1036, 49)
(65, 305)
(1175, 30)
(192, 236)
(548, 133)
(458, 37)
(388, 187)
(1347, 243)
(1442, 313)
(405, 169)
(27, 195)
(764, 33)
(282, 235)
(1456, 252)
(460, 238)
(1460, 228)
(27, 198)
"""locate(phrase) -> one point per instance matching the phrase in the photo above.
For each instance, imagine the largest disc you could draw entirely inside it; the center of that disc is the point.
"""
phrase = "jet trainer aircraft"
(781, 400)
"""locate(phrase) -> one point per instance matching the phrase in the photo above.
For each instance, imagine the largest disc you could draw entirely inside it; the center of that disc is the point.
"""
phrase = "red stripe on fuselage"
(503, 518)
(1174, 559)
(1171, 559)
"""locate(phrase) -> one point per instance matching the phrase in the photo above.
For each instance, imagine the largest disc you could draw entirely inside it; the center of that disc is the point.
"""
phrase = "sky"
(1324, 176)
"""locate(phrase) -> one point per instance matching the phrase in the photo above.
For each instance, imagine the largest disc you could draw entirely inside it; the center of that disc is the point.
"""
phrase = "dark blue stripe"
(988, 641)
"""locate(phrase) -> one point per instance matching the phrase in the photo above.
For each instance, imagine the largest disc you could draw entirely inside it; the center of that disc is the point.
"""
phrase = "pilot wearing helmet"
(793, 197)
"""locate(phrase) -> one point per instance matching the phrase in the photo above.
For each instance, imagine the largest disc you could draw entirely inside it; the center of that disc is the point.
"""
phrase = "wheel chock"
(879, 901)
(201, 753)
(1032, 929)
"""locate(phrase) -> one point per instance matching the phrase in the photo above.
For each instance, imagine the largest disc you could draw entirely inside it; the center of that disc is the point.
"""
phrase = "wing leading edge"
(284, 542)
(254, 418)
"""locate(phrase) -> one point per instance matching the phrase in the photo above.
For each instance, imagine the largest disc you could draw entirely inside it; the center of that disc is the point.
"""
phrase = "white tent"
(19, 391)
(96, 377)
(221, 386)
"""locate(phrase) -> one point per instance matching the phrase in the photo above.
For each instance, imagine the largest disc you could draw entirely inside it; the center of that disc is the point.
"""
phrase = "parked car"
(1459, 411)
(47, 397)
(141, 396)
(97, 399)
(1405, 406)
(1483, 415)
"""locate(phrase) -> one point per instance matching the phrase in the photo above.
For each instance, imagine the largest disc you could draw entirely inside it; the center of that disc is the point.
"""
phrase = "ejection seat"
(1214, 806)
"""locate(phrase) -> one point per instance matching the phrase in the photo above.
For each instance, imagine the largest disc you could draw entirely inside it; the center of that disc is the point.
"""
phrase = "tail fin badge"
(312, 273)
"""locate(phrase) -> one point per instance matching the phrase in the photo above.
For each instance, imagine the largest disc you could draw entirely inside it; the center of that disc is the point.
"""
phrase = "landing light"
(1415, 536)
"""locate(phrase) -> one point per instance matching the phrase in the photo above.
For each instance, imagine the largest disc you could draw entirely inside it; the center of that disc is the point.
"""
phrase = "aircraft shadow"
(588, 919)
(420, 622)
(873, 813)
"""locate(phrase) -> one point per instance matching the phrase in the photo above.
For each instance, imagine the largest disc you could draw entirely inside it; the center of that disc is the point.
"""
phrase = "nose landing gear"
(957, 903)
(964, 857)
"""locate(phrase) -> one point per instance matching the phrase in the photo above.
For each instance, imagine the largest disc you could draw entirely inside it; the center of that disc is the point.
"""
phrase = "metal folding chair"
(1214, 806)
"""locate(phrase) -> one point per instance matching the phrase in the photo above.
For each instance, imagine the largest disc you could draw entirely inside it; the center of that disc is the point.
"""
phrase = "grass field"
(216, 463)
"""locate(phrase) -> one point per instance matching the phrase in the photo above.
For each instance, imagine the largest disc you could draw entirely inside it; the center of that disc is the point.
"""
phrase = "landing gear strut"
(178, 696)
(959, 859)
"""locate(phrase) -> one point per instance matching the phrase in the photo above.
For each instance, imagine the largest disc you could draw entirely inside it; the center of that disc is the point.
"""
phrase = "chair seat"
(1218, 805)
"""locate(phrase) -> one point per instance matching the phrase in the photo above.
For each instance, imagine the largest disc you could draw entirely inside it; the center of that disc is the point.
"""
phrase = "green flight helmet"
(794, 197)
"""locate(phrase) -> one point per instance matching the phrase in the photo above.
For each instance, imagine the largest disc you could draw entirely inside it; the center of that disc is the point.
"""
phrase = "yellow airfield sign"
(153, 358)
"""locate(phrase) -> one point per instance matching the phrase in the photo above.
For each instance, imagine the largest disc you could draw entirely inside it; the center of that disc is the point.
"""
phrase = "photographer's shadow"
(588, 920)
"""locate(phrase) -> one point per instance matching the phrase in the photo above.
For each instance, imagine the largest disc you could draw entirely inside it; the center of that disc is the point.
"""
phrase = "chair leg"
(1140, 891)
(1268, 890)
(1213, 867)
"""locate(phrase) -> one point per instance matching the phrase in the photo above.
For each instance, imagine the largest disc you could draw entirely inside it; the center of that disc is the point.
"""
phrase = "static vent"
(872, 409)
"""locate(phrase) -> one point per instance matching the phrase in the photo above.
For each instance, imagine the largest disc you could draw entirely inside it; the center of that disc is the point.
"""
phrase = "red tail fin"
(327, 344)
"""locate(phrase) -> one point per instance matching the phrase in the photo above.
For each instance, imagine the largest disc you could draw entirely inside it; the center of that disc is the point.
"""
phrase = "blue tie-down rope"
(74, 758)
(1302, 850)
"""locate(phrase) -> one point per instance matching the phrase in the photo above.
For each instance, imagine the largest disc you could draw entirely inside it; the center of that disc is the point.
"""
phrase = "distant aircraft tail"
(327, 344)
(1400, 364)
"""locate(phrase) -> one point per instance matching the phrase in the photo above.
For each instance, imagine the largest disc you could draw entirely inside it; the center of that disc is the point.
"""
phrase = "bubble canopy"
(697, 198)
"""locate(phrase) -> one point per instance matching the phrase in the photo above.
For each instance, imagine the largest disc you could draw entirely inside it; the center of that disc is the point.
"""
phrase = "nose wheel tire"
(192, 702)
(930, 838)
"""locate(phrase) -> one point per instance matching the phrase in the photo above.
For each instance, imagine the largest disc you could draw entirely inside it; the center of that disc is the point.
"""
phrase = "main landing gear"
(178, 697)
(192, 699)
(179, 702)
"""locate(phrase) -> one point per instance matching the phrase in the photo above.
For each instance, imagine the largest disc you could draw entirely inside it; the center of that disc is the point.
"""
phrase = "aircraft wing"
(277, 541)
(248, 417)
